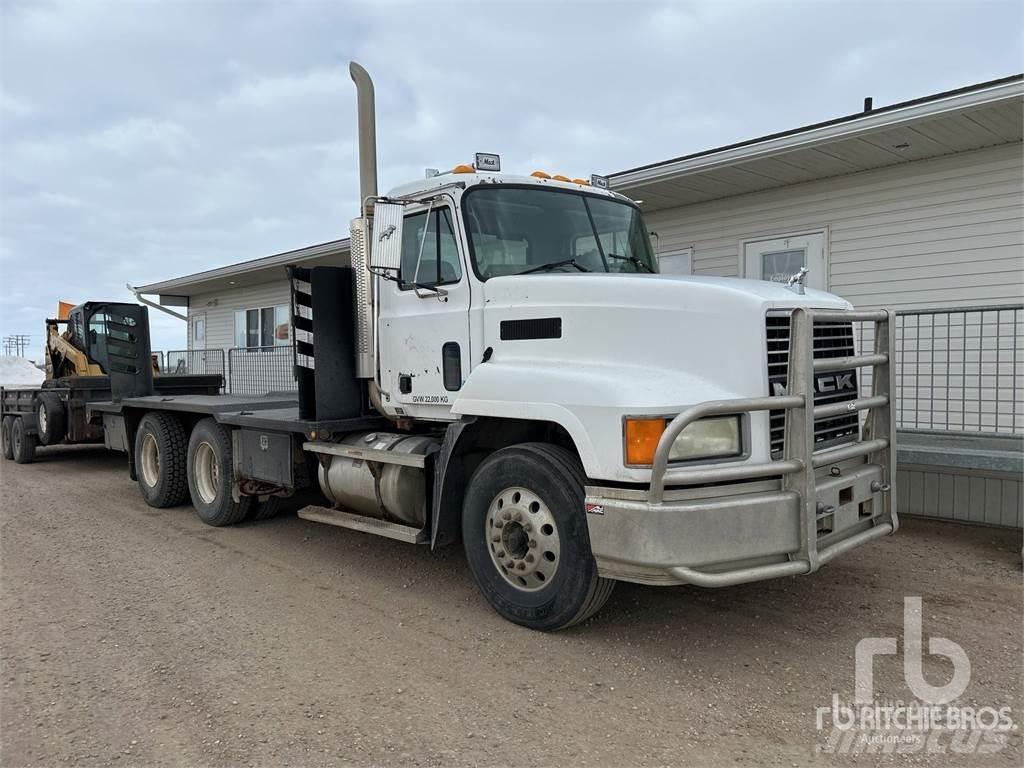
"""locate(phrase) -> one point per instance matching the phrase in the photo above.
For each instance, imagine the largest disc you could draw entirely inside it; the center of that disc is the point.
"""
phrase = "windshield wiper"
(634, 259)
(554, 265)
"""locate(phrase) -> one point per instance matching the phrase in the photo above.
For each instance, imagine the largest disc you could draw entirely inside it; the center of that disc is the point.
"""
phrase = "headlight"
(712, 438)
(716, 437)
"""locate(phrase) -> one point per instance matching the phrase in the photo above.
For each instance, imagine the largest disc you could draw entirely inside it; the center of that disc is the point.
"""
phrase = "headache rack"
(802, 452)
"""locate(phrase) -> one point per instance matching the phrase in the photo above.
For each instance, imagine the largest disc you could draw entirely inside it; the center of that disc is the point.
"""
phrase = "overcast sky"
(143, 141)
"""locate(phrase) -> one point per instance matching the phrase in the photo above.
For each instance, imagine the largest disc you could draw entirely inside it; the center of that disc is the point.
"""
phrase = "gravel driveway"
(132, 636)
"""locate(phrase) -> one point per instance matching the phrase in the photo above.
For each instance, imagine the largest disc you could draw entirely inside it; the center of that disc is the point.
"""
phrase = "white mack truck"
(503, 365)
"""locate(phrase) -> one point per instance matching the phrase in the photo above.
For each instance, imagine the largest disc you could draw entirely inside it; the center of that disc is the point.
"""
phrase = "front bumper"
(725, 535)
(729, 524)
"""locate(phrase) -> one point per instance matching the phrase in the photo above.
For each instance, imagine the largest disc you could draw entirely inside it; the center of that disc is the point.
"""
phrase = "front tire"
(50, 418)
(160, 445)
(23, 445)
(525, 534)
(210, 476)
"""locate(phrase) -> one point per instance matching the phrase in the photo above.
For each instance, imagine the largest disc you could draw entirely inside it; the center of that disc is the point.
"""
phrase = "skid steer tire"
(524, 530)
(50, 418)
(5, 436)
(160, 450)
(23, 445)
(210, 476)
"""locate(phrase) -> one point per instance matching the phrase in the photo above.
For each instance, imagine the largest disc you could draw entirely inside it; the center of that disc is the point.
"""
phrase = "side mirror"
(386, 238)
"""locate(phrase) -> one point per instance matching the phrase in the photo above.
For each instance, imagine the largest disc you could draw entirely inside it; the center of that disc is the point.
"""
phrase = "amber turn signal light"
(642, 436)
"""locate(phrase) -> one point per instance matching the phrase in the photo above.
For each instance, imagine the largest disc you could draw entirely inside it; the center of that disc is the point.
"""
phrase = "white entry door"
(780, 258)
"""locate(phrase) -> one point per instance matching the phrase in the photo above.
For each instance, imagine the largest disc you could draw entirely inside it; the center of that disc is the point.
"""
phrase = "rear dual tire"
(160, 450)
(210, 476)
(51, 419)
(5, 436)
(525, 533)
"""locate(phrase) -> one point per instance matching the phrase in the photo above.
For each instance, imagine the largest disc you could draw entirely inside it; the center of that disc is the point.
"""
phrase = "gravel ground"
(133, 636)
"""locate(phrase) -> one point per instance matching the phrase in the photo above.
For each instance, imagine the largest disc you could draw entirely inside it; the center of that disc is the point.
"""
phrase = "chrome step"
(344, 519)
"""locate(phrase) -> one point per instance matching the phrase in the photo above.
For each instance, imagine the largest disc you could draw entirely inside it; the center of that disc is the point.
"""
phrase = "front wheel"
(525, 534)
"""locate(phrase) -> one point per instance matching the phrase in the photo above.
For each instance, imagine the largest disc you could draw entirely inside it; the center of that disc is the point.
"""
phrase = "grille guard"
(799, 460)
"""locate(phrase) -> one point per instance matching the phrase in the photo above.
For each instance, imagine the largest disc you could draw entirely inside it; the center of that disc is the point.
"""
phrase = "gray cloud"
(144, 141)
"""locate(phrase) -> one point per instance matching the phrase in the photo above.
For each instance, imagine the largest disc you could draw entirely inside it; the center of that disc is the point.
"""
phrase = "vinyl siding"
(939, 232)
(959, 495)
(220, 309)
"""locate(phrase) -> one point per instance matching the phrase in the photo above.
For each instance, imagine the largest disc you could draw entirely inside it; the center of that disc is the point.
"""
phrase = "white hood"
(629, 345)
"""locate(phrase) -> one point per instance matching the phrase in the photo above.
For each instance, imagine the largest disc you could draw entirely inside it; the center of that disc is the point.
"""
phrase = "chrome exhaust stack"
(367, 120)
(360, 237)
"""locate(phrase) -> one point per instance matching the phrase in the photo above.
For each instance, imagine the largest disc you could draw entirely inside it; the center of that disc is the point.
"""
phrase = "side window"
(430, 254)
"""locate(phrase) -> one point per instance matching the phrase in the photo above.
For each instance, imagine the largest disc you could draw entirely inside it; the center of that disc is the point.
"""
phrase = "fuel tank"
(379, 489)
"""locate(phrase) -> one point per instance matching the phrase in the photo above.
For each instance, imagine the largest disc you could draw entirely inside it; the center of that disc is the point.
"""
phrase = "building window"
(676, 262)
(263, 327)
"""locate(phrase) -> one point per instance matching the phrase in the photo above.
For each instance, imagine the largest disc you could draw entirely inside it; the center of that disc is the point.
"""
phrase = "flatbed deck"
(269, 412)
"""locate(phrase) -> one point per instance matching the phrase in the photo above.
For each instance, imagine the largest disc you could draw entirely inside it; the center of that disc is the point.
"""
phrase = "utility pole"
(16, 344)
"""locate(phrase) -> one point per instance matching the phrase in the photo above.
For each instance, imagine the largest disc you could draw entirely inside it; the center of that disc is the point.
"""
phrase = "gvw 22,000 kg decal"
(430, 399)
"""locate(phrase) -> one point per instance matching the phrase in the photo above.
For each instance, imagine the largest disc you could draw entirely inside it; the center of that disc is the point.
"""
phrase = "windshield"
(513, 230)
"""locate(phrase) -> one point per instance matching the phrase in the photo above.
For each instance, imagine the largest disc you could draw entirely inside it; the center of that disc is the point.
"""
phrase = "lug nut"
(529, 557)
(521, 566)
(501, 553)
(533, 543)
(495, 539)
(517, 517)
(528, 527)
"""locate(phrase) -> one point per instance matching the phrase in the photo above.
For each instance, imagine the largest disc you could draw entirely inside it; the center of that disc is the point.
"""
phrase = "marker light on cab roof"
(540, 175)
(463, 168)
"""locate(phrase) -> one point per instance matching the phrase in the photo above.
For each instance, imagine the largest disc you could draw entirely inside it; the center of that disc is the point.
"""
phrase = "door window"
(430, 255)
(779, 258)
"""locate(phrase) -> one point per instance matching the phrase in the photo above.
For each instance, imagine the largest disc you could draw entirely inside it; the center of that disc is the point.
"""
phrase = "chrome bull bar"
(799, 461)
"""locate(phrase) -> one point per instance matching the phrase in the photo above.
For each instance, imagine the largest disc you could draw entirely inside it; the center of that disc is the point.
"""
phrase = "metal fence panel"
(259, 370)
(957, 369)
(194, 361)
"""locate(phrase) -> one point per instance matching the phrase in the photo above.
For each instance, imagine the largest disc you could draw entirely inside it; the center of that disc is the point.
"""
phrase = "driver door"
(424, 319)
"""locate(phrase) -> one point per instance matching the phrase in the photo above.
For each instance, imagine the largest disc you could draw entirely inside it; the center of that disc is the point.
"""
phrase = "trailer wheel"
(525, 534)
(210, 473)
(160, 450)
(50, 418)
(5, 436)
(23, 445)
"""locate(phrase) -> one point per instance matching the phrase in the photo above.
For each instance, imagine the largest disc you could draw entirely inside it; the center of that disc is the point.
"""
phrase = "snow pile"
(19, 372)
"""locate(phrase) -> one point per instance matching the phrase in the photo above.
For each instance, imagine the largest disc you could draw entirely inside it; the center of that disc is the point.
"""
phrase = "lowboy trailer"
(501, 364)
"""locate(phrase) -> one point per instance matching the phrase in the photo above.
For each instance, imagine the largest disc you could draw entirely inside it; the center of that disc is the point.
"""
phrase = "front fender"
(589, 401)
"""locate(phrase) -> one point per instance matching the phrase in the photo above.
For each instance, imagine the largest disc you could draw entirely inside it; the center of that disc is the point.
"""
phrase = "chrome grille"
(830, 340)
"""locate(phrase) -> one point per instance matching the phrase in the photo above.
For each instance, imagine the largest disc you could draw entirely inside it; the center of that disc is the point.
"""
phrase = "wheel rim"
(150, 460)
(207, 472)
(42, 418)
(522, 539)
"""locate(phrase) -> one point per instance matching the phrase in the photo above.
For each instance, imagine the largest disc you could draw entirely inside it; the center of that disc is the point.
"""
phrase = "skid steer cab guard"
(114, 339)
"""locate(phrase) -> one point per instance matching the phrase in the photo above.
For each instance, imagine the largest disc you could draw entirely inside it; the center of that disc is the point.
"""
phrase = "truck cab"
(719, 423)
